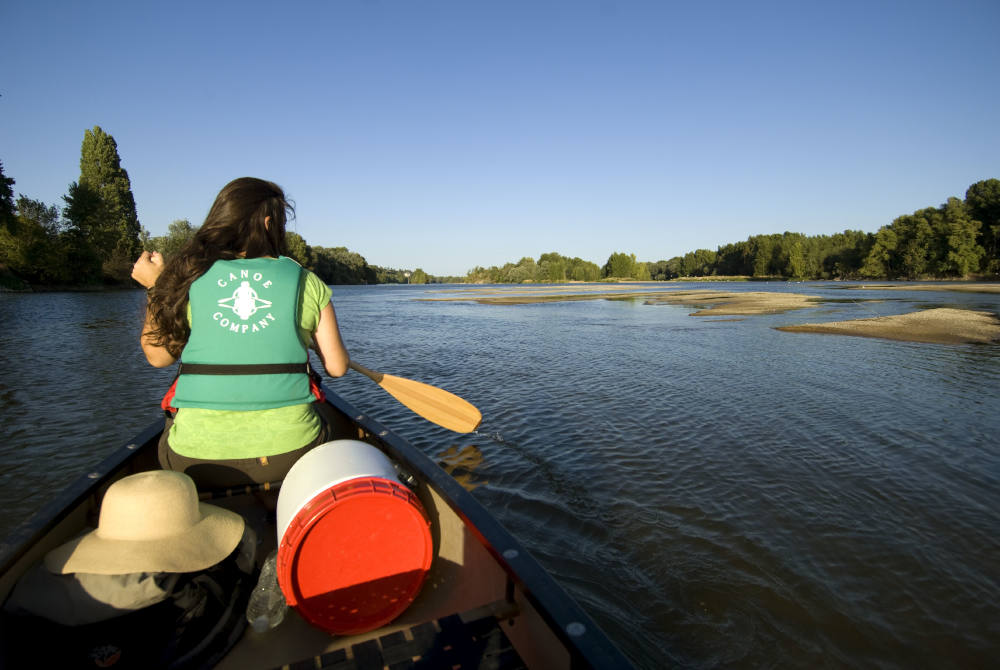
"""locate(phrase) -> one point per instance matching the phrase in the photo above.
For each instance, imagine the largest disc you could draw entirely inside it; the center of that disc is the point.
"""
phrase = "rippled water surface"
(714, 492)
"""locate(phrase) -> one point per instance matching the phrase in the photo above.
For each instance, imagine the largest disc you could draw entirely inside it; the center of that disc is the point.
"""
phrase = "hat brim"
(202, 546)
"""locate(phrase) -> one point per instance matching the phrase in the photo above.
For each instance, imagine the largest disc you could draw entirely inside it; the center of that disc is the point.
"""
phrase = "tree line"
(958, 239)
(95, 236)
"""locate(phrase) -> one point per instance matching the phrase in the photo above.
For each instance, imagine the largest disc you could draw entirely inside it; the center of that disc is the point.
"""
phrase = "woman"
(240, 317)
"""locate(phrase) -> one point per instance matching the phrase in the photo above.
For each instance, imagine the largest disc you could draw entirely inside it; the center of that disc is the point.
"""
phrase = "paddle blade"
(434, 404)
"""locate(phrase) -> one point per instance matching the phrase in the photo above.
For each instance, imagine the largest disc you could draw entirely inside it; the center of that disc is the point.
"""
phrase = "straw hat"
(151, 522)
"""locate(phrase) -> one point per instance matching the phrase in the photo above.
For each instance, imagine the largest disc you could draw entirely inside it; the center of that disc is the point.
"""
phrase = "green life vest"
(244, 316)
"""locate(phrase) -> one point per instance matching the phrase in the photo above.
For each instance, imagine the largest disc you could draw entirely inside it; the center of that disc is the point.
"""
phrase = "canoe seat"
(449, 642)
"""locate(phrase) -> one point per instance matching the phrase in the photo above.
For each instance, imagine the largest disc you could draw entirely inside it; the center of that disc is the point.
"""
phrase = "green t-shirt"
(213, 434)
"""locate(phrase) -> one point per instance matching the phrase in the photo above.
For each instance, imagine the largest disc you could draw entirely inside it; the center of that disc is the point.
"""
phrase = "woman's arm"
(146, 271)
(329, 344)
(156, 354)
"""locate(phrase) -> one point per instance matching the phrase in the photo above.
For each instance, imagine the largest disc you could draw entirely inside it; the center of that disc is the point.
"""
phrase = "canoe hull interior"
(479, 572)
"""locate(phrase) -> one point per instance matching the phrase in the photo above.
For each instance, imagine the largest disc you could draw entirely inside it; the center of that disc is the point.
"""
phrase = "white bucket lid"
(324, 467)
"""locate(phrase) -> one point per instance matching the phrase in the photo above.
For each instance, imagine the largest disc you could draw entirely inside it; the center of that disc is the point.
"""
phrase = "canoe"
(485, 602)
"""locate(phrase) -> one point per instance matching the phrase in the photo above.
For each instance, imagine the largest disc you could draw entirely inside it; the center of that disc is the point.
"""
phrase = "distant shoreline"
(69, 288)
(975, 287)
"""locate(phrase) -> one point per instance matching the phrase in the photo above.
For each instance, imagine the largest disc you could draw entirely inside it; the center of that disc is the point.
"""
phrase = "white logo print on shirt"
(244, 302)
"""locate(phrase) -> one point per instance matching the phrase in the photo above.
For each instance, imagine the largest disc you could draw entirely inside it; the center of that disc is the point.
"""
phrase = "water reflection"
(461, 464)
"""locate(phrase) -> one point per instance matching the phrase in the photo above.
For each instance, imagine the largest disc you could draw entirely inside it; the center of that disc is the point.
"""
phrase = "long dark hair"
(234, 228)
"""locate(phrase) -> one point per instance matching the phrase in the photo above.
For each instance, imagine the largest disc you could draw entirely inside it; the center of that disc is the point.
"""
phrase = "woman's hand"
(148, 268)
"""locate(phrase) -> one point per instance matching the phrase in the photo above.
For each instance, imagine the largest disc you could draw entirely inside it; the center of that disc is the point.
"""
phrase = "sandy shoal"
(944, 325)
(711, 303)
(521, 297)
(725, 303)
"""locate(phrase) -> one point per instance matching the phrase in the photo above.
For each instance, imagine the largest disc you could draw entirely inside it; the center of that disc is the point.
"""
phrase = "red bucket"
(354, 545)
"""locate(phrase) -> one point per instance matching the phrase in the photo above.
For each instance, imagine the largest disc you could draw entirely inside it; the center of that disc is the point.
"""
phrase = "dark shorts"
(210, 475)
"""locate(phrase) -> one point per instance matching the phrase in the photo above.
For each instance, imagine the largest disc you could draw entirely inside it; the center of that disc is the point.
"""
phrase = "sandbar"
(727, 303)
(710, 302)
(943, 325)
(528, 297)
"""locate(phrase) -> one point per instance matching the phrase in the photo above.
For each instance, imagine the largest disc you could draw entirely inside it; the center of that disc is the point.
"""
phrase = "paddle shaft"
(371, 374)
(436, 405)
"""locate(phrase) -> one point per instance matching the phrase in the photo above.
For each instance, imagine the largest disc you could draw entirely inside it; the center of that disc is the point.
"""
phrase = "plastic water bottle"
(267, 605)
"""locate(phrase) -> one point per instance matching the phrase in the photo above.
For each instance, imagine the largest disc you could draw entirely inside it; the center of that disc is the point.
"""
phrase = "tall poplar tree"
(114, 228)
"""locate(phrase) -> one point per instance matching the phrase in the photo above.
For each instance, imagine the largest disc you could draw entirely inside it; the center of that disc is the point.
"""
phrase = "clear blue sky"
(444, 135)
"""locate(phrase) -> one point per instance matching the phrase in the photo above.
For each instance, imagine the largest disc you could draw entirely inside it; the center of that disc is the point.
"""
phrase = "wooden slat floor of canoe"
(449, 642)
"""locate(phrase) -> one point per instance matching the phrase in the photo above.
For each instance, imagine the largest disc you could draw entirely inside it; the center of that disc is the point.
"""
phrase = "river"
(714, 492)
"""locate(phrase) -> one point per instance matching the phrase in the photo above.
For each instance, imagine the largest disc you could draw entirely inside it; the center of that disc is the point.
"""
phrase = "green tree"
(551, 268)
(934, 241)
(37, 252)
(37, 211)
(982, 201)
(478, 275)
(298, 249)
(524, 271)
(878, 262)
(793, 255)
(578, 269)
(916, 247)
(963, 254)
(418, 277)
(83, 213)
(763, 250)
(178, 234)
(698, 263)
(619, 266)
(116, 230)
(846, 253)
(390, 275)
(734, 259)
(661, 271)
(8, 220)
(341, 266)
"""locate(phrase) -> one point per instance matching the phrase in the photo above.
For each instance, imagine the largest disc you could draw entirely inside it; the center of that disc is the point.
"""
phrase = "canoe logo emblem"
(244, 302)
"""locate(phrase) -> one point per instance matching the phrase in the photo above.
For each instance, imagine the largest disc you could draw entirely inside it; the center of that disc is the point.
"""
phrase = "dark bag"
(194, 628)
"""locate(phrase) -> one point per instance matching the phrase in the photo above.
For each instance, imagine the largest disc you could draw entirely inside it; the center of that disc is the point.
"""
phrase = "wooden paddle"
(434, 404)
